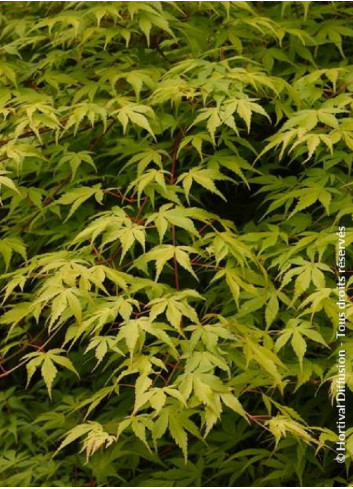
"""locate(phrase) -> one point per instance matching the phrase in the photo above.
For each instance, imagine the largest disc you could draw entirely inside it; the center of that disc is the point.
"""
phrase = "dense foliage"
(172, 178)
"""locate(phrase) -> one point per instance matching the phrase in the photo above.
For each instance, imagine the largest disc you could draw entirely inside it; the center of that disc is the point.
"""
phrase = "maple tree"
(172, 176)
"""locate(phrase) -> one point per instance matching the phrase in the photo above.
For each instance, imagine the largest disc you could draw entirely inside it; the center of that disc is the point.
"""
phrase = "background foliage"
(172, 177)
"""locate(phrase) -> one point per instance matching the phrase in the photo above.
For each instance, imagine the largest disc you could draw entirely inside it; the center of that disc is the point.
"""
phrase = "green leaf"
(49, 372)
(233, 403)
(78, 196)
(299, 346)
(178, 433)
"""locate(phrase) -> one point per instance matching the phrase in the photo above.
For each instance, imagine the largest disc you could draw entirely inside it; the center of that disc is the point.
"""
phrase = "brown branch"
(26, 134)
(101, 136)
(119, 195)
(204, 265)
(176, 366)
(8, 372)
(17, 352)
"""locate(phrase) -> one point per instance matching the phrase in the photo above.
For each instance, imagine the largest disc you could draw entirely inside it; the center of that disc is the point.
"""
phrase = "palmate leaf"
(75, 160)
(299, 331)
(48, 362)
(75, 198)
(224, 114)
(152, 179)
(267, 359)
(9, 246)
(227, 244)
(101, 313)
(112, 226)
(133, 332)
(177, 216)
(101, 345)
(306, 272)
(95, 437)
(146, 158)
(235, 281)
(235, 163)
(86, 110)
(204, 177)
(196, 140)
(136, 115)
(174, 308)
(74, 434)
(161, 254)
(280, 425)
(179, 425)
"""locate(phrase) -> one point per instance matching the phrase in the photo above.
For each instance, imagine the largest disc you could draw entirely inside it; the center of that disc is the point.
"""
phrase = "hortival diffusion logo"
(341, 359)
